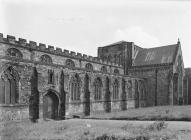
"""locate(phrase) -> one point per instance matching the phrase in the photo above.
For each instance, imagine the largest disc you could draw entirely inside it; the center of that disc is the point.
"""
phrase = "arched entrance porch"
(50, 105)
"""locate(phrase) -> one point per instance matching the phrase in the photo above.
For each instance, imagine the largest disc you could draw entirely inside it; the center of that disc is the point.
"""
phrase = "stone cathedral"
(122, 76)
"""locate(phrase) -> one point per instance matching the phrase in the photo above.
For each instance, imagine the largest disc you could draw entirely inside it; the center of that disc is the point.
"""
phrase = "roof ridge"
(115, 43)
(172, 45)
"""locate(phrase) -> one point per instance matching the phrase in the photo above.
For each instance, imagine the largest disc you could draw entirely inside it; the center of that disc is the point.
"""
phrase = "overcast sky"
(84, 25)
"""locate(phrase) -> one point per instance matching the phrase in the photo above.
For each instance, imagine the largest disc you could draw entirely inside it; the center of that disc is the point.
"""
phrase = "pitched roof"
(116, 43)
(158, 55)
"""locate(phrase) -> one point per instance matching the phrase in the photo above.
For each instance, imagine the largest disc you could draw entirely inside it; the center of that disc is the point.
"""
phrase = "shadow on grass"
(107, 137)
(144, 119)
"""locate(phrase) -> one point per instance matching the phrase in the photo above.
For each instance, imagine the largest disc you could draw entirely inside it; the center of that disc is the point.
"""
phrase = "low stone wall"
(75, 108)
(21, 112)
(115, 105)
(97, 106)
(142, 103)
(13, 112)
(131, 104)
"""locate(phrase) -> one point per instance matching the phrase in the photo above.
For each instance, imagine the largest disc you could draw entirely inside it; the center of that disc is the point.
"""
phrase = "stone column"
(86, 96)
(91, 89)
(180, 88)
(123, 95)
(82, 93)
(136, 93)
(34, 97)
(62, 96)
(107, 95)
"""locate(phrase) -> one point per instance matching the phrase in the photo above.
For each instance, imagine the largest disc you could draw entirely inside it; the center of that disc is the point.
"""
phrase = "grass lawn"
(82, 129)
(169, 113)
(92, 129)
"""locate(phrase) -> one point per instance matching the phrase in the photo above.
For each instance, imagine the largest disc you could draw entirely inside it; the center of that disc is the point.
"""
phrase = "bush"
(157, 126)
(106, 137)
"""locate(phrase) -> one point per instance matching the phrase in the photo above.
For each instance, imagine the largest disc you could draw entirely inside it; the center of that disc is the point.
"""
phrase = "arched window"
(116, 71)
(50, 77)
(179, 64)
(97, 89)
(142, 90)
(14, 53)
(9, 87)
(75, 88)
(179, 60)
(109, 58)
(115, 58)
(46, 59)
(136, 95)
(105, 58)
(104, 69)
(120, 59)
(69, 63)
(130, 96)
(89, 67)
(116, 90)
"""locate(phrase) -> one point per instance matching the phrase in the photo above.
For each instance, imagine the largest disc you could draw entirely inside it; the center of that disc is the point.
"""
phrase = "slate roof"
(158, 55)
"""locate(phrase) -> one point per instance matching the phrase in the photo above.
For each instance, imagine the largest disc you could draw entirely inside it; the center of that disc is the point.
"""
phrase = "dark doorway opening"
(50, 105)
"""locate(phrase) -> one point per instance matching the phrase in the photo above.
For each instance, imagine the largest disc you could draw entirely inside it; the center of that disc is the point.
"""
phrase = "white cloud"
(138, 36)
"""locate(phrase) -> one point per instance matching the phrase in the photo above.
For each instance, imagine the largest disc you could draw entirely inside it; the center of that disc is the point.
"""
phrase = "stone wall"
(157, 82)
(31, 57)
(32, 52)
(14, 112)
(121, 53)
(187, 86)
(163, 84)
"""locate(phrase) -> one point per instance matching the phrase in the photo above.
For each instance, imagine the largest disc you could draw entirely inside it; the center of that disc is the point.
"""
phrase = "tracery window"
(109, 58)
(104, 69)
(136, 95)
(75, 88)
(115, 58)
(120, 59)
(69, 63)
(97, 89)
(175, 82)
(130, 96)
(142, 90)
(46, 59)
(116, 90)
(89, 67)
(179, 64)
(14, 53)
(8, 87)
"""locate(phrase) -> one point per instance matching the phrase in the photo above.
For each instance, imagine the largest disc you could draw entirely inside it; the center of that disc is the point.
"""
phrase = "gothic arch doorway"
(50, 105)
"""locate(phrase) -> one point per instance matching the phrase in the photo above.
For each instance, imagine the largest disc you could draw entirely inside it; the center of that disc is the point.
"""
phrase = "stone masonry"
(122, 76)
(20, 57)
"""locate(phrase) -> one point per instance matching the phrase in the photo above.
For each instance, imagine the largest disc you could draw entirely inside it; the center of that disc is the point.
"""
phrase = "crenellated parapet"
(52, 50)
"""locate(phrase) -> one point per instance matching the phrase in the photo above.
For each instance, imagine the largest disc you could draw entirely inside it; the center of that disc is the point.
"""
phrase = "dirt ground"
(86, 129)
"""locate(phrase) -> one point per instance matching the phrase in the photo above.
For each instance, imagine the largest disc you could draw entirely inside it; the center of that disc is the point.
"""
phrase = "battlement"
(51, 49)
